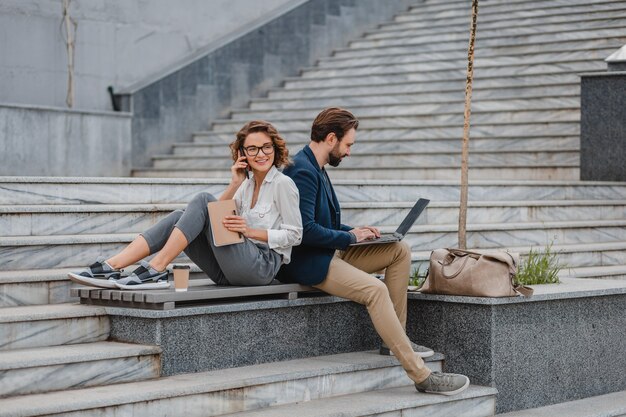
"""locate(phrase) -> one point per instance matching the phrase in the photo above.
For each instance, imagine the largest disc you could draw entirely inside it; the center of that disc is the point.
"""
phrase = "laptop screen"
(410, 218)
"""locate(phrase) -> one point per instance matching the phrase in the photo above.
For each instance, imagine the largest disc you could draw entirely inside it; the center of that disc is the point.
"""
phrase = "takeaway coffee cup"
(181, 277)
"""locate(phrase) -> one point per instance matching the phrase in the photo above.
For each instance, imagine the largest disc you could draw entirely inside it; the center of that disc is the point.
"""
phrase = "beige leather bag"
(461, 272)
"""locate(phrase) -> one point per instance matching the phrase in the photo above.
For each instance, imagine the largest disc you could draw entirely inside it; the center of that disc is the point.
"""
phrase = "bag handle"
(455, 254)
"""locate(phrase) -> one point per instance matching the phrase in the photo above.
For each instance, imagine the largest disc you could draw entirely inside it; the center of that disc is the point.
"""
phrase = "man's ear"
(331, 138)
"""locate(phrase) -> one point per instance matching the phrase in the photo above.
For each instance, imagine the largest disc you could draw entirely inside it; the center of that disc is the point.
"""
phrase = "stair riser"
(260, 396)
(392, 110)
(353, 191)
(443, 120)
(492, 23)
(480, 64)
(47, 292)
(567, 90)
(532, 173)
(70, 223)
(485, 34)
(21, 258)
(105, 222)
(565, 259)
(404, 160)
(528, 130)
(471, 407)
(35, 293)
(397, 147)
(516, 36)
(491, 11)
(513, 238)
(592, 40)
(42, 379)
(481, 76)
(393, 216)
(54, 332)
(509, 85)
(102, 193)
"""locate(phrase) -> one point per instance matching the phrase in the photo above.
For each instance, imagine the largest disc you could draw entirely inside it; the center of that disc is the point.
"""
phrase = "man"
(327, 262)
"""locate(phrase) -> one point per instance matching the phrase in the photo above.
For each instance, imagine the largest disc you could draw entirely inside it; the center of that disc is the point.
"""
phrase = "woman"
(269, 220)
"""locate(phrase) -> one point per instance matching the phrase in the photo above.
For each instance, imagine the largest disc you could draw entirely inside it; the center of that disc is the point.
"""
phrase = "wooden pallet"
(168, 299)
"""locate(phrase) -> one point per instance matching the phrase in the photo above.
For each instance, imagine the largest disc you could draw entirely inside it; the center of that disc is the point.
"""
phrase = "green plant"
(417, 278)
(539, 267)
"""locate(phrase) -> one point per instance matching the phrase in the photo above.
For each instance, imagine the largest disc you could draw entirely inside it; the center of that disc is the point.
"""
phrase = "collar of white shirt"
(270, 175)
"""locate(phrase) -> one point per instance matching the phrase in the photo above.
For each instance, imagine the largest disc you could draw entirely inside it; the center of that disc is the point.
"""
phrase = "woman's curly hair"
(281, 153)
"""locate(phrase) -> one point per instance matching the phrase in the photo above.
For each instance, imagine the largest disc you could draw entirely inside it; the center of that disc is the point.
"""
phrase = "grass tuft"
(539, 267)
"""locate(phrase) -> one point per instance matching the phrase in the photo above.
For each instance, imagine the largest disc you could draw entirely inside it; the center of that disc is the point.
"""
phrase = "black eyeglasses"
(267, 149)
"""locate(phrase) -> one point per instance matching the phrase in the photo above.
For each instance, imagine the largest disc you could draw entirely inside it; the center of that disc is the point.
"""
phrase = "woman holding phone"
(269, 219)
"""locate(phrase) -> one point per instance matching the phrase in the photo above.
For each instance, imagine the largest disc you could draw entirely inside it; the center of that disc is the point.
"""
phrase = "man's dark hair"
(333, 120)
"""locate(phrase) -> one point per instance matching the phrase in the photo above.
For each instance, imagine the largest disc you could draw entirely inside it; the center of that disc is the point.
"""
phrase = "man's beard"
(334, 158)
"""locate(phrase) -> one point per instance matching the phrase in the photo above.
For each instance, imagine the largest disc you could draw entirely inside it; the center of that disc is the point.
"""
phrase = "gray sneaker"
(422, 351)
(99, 274)
(144, 277)
(445, 384)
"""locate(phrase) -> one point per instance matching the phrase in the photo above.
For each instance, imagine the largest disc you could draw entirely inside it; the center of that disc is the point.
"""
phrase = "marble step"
(481, 131)
(571, 257)
(516, 234)
(207, 146)
(427, 159)
(296, 130)
(449, 61)
(562, 91)
(225, 391)
(506, 85)
(613, 404)
(51, 325)
(522, 18)
(415, 109)
(476, 401)
(535, 173)
(553, 24)
(492, 10)
(44, 252)
(513, 45)
(403, 74)
(592, 46)
(595, 272)
(64, 190)
(45, 220)
(424, 121)
(44, 369)
(613, 19)
(103, 219)
(61, 251)
(52, 286)
(95, 190)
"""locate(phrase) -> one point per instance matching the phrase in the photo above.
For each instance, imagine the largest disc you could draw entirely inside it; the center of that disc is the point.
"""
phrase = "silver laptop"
(403, 229)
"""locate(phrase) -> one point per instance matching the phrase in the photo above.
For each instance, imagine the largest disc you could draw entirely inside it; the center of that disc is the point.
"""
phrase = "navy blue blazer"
(321, 220)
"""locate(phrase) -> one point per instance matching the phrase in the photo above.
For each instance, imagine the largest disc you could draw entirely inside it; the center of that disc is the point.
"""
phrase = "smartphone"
(242, 153)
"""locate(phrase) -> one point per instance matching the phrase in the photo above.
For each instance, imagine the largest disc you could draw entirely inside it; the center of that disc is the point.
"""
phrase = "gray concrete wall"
(55, 142)
(118, 43)
(603, 126)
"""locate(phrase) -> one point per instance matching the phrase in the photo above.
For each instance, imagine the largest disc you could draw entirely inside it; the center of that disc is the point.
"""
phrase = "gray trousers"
(246, 263)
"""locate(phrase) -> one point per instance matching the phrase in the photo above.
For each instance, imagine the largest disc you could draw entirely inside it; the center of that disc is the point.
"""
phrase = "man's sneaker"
(445, 384)
(422, 351)
(98, 274)
(144, 277)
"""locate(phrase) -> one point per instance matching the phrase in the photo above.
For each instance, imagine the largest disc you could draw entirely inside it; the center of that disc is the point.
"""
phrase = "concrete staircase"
(405, 81)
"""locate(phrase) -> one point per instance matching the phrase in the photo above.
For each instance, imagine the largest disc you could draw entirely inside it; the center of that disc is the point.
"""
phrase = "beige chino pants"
(349, 277)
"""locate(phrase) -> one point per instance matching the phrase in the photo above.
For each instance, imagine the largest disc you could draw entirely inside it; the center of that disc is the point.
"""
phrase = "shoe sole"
(146, 286)
(457, 391)
(92, 282)
(386, 352)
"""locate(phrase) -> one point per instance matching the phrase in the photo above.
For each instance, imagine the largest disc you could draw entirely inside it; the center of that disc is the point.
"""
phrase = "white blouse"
(277, 210)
